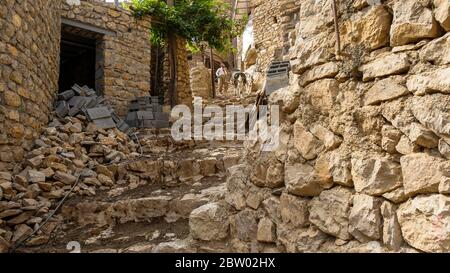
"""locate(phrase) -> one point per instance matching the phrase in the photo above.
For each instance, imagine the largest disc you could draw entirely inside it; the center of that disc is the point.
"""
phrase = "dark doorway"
(78, 60)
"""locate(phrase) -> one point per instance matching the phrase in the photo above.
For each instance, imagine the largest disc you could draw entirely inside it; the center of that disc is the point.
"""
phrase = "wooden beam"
(213, 72)
(84, 26)
(336, 29)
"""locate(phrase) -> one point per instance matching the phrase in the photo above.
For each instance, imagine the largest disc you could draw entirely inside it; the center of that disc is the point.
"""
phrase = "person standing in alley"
(223, 76)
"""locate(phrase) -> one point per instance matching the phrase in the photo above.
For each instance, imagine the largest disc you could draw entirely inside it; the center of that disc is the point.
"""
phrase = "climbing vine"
(200, 22)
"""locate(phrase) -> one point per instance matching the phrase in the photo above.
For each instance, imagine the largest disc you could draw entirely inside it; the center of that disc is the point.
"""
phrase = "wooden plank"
(84, 26)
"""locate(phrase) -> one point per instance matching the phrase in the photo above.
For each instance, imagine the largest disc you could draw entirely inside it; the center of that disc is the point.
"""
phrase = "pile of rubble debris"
(77, 154)
(84, 100)
(146, 112)
(143, 112)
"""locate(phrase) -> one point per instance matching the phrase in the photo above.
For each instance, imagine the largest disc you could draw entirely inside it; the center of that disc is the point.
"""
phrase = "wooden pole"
(336, 28)
(213, 72)
(172, 50)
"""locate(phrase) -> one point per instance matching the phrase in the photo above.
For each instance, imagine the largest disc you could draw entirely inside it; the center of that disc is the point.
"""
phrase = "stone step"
(157, 144)
(182, 166)
(154, 237)
(131, 237)
(142, 205)
(136, 221)
(150, 218)
(157, 223)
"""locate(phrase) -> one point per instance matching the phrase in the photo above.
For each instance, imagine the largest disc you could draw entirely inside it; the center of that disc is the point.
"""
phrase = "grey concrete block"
(131, 116)
(66, 95)
(162, 124)
(277, 76)
(147, 115)
(115, 117)
(62, 109)
(162, 116)
(105, 123)
(143, 111)
(76, 101)
(74, 111)
(275, 83)
(77, 89)
(99, 113)
(90, 102)
(278, 67)
(148, 124)
(100, 100)
(123, 126)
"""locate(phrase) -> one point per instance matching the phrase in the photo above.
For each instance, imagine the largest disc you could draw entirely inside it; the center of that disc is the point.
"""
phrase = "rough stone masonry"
(29, 62)
(364, 159)
(363, 164)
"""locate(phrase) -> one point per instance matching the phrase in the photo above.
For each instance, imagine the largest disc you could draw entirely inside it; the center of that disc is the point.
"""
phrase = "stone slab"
(66, 95)
(62, 109)
(146, 115)
(99, 113)
(105, 123)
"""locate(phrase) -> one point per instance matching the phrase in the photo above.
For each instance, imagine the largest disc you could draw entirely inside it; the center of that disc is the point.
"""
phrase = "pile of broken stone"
(73, 155)
(84, 100)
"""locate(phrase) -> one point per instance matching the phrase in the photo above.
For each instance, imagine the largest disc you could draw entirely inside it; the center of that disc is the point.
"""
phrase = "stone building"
(273, 25)
(46, 46)
(362, 163)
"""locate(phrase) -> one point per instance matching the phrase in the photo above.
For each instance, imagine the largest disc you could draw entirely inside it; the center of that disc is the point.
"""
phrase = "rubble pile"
(71, 150)
(146, 112)
(110, 177)
(84, 100)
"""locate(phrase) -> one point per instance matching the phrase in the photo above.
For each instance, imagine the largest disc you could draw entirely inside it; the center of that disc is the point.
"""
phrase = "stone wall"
(127, 54)
(183, 80)
(273, 24)
(29, 61)
(266, 30)
(364, 159)
(200, 80)
(184, 95)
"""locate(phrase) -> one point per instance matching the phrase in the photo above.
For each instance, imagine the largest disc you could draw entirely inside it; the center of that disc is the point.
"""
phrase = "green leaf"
(198, 21)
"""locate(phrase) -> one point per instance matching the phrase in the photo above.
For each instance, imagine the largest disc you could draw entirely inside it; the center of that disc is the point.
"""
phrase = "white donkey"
(241, 83)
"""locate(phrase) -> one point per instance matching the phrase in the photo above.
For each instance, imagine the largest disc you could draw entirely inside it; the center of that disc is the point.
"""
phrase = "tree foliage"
(200, 22)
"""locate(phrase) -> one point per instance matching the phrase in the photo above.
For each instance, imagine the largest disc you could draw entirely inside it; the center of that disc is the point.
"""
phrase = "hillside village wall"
(363, 164)
(29, 51)
(29, 62)
(126, 55)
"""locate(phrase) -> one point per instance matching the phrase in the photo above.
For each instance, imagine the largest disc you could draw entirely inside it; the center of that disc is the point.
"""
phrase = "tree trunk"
(172, 47)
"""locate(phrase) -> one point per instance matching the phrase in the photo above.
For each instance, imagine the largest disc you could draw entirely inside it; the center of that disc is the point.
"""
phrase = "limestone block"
(442, 13)
(425, 221)
(370, 27)
(365, 222)
(412, 22)
(329, 212)
(209, 222)
(391, 64)
(375, 176)
(421, 173)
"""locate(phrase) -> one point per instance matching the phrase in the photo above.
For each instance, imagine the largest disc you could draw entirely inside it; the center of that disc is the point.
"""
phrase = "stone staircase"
(151, 213)
(148, 208)
(231, 100)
